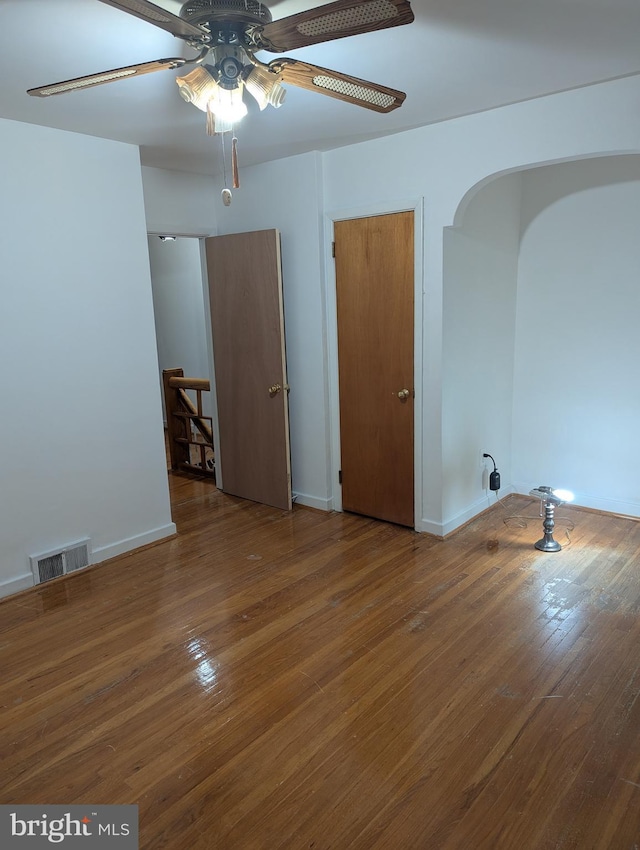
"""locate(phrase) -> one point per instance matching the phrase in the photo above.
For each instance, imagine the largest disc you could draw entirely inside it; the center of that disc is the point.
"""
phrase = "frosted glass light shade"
(265, 87)
(197, 87)
(228, 107)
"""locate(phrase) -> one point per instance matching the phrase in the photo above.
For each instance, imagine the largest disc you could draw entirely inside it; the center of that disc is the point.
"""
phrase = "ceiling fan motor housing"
(229, 66)
(207, 12)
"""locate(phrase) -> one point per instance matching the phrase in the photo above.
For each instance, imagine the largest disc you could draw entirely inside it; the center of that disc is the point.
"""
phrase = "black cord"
(484, 454)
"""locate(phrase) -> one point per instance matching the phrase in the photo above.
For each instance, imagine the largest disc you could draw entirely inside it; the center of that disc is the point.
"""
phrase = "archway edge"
(473, 190)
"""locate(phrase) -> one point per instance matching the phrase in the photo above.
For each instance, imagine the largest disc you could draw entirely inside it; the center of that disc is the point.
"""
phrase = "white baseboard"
(442, 529)
(428, 526)
(15, 585)
(24, 582)
(584, 500)
(122, 546)
(313, 502)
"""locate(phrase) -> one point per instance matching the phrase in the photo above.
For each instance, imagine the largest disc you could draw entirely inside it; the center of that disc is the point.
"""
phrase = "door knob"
(404, 394)
(274, 389)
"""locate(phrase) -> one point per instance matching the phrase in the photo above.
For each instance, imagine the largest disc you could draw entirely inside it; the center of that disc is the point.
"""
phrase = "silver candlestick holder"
(549, 499)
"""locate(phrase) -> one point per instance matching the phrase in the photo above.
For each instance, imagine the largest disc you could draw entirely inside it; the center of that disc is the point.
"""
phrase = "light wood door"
(247, 326)
(375, 302)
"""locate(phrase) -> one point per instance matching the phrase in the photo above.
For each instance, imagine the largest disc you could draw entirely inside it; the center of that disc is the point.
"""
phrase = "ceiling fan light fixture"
(224, 106)
(197, 87)
(228, 107)
(265, 87)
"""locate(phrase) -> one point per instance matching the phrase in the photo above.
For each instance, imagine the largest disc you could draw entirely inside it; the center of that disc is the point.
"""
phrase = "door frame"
(201, 236)
(415, 205)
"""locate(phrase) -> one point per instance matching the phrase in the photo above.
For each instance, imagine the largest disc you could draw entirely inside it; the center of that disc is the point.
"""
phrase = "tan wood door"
(375, 302)
(247, 327)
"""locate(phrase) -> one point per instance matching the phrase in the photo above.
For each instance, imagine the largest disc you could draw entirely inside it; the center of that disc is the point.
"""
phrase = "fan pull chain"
(226, 192)
(211, 121)
(224, 161)
(234, 163)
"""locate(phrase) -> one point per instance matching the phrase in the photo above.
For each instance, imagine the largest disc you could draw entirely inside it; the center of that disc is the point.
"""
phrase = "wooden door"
(247, 325)
(375, 302)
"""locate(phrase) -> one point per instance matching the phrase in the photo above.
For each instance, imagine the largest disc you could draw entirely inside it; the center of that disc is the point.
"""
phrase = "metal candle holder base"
(551, 498)
(547, 543)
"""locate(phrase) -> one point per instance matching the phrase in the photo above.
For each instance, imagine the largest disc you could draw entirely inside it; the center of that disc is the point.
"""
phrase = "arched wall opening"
(541, 292)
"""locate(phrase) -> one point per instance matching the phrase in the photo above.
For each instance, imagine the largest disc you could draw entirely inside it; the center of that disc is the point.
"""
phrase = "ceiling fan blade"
(159, 17)
(342, 86)
(106, 77)
(334, 20)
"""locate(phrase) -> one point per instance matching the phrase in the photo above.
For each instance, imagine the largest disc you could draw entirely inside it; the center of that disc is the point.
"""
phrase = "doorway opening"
(182, 338)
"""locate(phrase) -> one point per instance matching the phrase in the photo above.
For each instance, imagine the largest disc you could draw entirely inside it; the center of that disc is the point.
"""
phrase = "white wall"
(177, 203)
(178, 303)
(80, 418)
(576, 407)
(480, 276)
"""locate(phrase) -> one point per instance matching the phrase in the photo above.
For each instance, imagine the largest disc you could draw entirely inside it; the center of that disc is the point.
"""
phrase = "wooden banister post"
(178, 452)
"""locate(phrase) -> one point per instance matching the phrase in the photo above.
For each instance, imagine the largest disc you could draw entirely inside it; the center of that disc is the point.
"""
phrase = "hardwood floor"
(326, 681)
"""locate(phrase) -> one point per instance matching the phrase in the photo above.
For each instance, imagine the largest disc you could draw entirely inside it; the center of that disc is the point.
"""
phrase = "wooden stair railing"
(184, 419)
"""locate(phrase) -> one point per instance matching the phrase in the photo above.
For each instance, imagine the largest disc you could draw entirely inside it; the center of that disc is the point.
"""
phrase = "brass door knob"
(404, 394)
(274, 389)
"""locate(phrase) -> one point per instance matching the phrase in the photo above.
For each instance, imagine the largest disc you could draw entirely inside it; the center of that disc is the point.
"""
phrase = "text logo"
(105, 827)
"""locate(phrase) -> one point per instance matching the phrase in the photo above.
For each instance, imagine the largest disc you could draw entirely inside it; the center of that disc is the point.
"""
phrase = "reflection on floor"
(291, 680)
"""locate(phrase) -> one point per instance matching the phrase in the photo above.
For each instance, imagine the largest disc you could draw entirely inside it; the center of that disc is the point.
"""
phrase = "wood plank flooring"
(329, 682)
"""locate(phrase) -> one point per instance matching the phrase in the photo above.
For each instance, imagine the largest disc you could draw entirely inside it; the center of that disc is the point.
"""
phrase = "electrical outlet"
(482, 460)
(494, 476)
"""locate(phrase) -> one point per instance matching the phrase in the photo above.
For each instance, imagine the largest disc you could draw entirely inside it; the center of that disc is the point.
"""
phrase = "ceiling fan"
(228, 34)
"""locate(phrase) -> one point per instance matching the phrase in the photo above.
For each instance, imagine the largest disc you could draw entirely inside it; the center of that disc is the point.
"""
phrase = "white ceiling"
(458, 57)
